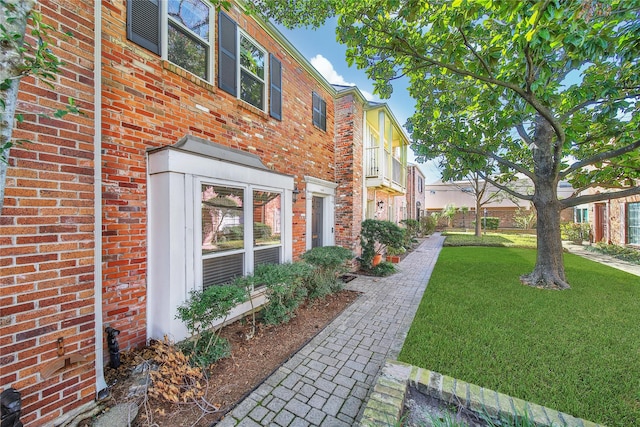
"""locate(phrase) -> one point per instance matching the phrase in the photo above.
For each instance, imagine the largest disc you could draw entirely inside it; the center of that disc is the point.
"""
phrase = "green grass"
(577, 351)
(491, 239)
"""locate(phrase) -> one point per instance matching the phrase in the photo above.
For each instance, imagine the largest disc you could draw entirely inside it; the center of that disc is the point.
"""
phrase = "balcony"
(385, 153)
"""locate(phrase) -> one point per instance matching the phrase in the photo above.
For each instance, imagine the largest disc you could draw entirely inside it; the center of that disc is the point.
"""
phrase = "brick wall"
(618, 221)
(148, 102)
(46, 230)
(349, 174)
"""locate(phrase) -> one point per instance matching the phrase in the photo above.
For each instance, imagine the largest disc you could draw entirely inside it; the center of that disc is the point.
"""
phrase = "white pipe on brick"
(101, 384)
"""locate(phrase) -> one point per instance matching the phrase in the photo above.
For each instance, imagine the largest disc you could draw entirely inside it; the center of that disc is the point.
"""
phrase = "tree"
(476, 186)
(546, 89)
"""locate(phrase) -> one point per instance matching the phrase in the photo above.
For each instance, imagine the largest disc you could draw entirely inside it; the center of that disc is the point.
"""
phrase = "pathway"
(327, 381)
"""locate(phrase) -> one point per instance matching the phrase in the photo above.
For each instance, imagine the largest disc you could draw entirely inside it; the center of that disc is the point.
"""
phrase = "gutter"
(101, 385)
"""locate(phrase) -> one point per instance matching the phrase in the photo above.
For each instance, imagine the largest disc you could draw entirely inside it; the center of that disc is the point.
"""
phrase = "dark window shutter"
(227, 52)
(143, 23)
(275, 78)
(323, 115)
(319, 112)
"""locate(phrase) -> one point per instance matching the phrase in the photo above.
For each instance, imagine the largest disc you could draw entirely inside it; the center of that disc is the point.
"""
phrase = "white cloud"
(325, 67)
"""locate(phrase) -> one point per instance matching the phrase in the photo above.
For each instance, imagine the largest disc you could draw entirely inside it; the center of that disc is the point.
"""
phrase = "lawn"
(577, 351)
(491, 239)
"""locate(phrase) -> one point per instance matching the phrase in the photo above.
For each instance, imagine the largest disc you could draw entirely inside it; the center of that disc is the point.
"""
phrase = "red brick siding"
(148, 102)
(349, 174)
(46, 228)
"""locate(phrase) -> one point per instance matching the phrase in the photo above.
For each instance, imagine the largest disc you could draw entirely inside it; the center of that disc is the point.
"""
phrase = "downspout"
(101, 384)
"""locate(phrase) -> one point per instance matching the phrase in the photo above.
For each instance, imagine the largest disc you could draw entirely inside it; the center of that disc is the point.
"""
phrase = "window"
(420, 188)
(319, 112)
(252, 64)
(581, 215)
(188, 32)
(222, 231)
(188, 43)
(633, 223)
(242, 59)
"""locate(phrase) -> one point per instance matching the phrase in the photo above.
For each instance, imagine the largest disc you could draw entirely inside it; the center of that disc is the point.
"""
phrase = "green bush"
(199, 313)
(375, 237)
(427, 225)
(489, 223)
(575, 232)
(330, 263)
(383, 269)
(412, 231)
(286, 289)
(619, 252)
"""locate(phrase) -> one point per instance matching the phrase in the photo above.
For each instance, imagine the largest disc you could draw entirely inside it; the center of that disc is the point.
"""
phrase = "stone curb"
(386, 402)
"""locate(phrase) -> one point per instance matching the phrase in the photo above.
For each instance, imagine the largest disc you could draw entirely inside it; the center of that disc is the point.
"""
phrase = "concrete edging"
(386, 401)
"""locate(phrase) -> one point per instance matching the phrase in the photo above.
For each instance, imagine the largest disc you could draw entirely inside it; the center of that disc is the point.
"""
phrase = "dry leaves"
(175, 380)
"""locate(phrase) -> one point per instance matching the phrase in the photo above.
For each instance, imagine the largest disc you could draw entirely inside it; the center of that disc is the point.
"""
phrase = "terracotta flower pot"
(377, 258)
(393, 258)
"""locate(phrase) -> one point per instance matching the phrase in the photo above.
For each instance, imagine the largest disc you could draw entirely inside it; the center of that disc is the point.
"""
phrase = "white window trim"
(174, 242)
(327, 190)
(164, 28)
(265, 81)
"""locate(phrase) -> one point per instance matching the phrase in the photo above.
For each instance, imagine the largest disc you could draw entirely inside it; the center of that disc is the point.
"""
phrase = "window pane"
(251, 58)
(251, 90)
(266, 218)
(222, 219)
(193, 14)
(633, 220)
(186, 52)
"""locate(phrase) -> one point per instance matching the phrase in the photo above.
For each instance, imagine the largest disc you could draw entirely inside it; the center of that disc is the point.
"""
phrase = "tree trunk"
(548, 272)
(13, 17)
(478, 218)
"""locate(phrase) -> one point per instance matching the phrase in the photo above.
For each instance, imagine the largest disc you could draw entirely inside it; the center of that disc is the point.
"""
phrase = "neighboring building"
(614, 221)
(209, 145)
(415, 192)
(460, 194)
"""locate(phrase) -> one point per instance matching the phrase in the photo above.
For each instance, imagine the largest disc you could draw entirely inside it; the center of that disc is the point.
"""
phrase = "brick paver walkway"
(326, 383)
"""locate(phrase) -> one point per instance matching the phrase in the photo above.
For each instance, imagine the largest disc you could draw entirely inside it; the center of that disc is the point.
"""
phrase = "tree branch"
(600, 157)
(523, 134)
(590, 102)
(505, 188)
(590, 198)
(474, 53)
(502, 161)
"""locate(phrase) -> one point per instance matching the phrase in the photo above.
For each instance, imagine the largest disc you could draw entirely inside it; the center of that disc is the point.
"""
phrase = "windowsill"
(246, 106)
(188, 76)
(211, 88)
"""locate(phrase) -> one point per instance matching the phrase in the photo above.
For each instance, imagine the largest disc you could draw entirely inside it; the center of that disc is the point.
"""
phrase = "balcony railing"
(371, 164)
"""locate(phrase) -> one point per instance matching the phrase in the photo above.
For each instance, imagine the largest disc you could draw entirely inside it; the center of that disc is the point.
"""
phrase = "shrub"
(575, 232)
(412, 230)
(383, 269)
(375, 237)
(199, 313)
(489, 223)
(329, 262)
(286, 289)
(525, 218)
(427, 225)
(620, 252)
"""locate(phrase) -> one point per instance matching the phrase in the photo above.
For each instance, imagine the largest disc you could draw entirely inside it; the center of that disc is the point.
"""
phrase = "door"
(316, 221)
(600, 222)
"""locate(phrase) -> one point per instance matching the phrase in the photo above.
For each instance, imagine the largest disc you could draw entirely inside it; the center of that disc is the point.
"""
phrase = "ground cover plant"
(574, 351)
(616, 251)
(490, 239)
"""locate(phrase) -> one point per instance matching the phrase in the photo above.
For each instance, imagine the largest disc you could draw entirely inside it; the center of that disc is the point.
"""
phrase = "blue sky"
(328, 57)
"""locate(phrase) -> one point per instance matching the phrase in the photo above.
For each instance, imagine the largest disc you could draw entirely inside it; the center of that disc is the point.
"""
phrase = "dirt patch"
(231, 379)
(426, 411)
